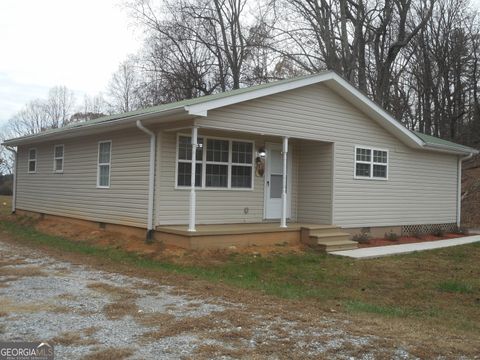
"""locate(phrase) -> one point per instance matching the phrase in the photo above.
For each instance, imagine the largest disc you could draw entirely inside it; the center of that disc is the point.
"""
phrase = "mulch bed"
(407, 240)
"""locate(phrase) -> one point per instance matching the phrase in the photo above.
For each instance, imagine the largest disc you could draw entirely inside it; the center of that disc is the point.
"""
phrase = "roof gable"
(331, 79)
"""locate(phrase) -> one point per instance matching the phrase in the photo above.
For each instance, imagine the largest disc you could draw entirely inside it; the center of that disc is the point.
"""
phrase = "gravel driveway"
(94, 314)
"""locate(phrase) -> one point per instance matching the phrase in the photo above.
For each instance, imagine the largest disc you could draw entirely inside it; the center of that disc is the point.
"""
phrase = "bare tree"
(123, 88)
(6, 160)
(32, 119)
(59, 106)
(208, 40)
(443, 74)
(417, 58)
(93, 107)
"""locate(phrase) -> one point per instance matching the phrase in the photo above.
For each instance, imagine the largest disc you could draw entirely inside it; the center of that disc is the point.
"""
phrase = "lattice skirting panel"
(427, 228)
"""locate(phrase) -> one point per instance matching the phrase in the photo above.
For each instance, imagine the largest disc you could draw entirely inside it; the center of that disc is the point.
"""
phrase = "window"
(242, 156)
(220, 163)
(104, 159)
(371, 163)
(217, 163)
(58, 158)
(32, 160)
(184, 167)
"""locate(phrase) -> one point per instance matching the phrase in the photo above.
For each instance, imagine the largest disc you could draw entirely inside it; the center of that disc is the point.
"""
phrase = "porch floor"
(236, 229)
(323, 237)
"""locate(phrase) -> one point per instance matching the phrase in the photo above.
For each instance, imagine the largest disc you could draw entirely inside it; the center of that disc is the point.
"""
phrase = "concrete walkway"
(379, 251)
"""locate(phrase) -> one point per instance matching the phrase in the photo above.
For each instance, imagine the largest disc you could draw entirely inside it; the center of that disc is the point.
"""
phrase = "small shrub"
(416, 234)
(391, 236)
(438, 232)
(455, 287)
(462, 230)
(361, 238)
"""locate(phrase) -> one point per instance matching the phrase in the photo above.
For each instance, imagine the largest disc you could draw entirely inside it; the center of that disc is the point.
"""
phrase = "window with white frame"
(220, 163)
(58, 156)
(242, 157)
(371, 163)
(104, 164)
(184, 162)
(32, 160)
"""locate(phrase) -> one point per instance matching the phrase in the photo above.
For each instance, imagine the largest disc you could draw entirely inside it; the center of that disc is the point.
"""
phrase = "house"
(308, 158)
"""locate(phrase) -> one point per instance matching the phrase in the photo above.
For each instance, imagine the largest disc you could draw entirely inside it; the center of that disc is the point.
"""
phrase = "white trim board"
(333, 81)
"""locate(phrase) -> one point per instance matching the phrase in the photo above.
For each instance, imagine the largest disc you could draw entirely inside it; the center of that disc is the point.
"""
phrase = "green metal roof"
(436, 141)
(169, 106)
(427, 139)
(195, 101)
(166, 107)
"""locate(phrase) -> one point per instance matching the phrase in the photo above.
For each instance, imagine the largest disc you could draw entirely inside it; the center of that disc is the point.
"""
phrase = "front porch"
(249, 189)
(238, 190)
(218, 236)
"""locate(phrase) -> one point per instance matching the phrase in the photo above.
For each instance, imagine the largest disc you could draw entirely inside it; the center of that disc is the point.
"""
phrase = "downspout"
(14, 185)
(151, 179)
(459, 187)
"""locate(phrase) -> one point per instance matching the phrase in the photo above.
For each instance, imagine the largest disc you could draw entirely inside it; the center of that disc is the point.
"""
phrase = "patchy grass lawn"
(439, 288)
(5, 205)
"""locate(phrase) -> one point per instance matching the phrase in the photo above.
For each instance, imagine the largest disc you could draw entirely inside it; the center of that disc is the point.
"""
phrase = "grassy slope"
(5, 205)
(471, 201)
(439, 288)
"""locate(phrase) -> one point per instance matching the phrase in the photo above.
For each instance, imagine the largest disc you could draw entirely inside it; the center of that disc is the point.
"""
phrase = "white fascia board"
(333, 80)
(202, 108)
(450, 149)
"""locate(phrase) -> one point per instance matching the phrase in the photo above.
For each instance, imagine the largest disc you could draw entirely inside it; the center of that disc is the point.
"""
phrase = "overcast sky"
(76, 43)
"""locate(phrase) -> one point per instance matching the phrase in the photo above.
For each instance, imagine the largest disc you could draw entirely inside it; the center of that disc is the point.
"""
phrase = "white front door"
(274, 181)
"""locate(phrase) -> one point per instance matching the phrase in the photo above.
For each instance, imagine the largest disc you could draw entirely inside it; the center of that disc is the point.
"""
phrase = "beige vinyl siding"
(315, 183)
(421, 187)
(74, 192)
(212, 206)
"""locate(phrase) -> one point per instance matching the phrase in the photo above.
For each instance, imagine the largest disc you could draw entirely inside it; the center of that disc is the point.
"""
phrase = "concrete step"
(319, 229)
(338, 246)
(335, 243)
(327, 238)
(333, 240)
(331, 233)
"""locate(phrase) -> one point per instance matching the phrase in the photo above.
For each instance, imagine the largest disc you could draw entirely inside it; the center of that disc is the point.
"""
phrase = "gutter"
(14, 185)
(450, 149)
(459, 186)
(151, 180)
(46, 135)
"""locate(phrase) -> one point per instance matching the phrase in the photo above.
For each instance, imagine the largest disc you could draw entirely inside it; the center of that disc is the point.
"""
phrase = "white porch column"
(283, 221)
(191, 218)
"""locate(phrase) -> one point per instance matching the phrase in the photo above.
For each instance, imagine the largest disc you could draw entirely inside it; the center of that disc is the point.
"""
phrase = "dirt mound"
(156, 250)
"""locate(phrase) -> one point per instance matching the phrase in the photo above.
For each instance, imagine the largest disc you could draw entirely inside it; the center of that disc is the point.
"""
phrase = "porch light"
(262, 153)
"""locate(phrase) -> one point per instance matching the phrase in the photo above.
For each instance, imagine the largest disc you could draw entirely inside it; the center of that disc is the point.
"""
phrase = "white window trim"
(204, 162)
(371, 163)
(99, 163)
(55, 158)
(30, 160)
